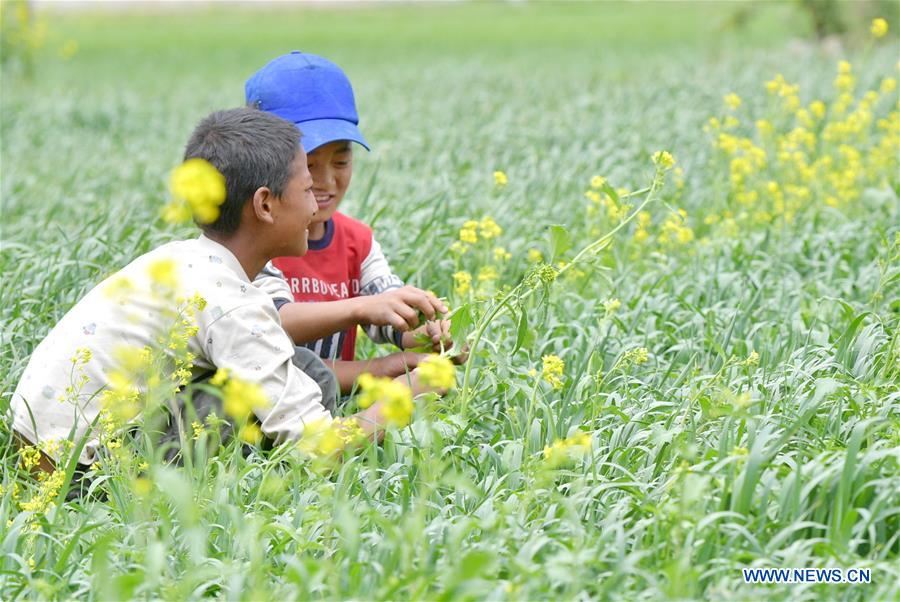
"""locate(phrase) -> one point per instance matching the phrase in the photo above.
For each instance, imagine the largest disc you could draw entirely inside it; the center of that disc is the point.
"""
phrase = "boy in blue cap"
(344, 280)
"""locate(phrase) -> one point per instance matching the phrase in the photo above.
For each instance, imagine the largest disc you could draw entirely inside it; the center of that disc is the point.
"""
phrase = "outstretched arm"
(392, 366)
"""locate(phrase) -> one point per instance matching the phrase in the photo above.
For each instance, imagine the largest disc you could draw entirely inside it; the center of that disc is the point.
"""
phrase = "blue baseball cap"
(311, 92)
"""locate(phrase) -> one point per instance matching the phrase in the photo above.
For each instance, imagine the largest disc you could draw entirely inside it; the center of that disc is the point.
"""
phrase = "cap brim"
(316, 132)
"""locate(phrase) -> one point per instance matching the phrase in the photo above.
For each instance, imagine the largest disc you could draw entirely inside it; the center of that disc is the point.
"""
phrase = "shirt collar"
(219, 253)
(322, 243)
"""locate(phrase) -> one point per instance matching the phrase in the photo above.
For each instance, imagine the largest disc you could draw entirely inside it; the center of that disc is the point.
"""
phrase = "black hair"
(251, 149)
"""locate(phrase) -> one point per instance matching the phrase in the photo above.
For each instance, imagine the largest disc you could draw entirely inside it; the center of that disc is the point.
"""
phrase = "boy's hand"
(399, 308)
(395, 364)
(434, 335)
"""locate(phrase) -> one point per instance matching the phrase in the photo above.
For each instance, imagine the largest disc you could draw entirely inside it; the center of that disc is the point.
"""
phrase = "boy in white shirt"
(266, 213)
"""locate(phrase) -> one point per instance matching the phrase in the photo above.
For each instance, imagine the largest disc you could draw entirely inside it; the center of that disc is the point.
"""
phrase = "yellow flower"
(675, 229)
(250, 433)
(325, 437)
(118, 288)
(535, 256)
(142, 486)
(487, 273)
(637, 356)
(565, 451)
(31, 456)
(459, 248)
(239, 397)
(395, 397)
(218, 379)
(463, 282)
(817, 108)
(197, 428)
(501, 254)
(132, 360)
(490, 228)
(437, 371)
(593, 196)
(888, 84)
(879, 28)
(732, 100)
(611, 305)
(500, 179)
(176, 212)
(164, 272)
(598, 182)
(552, 370)
(468, 234)
(201, 186)
(82, 356)
(664, 159)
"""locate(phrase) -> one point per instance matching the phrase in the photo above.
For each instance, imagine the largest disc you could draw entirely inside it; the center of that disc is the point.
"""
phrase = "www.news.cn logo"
(807, 575)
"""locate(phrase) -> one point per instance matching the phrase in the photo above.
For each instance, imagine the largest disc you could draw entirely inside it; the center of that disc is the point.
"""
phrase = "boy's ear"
(263, 203)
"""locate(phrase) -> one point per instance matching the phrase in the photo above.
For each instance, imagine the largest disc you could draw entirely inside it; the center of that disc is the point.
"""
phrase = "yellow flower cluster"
(437, 371)
(72, 392)
(489, 228)
(601, 203)
(325, 437)
(239, 397)
(30, 456)
(552, 370)
(121, 400)
(675, 230)
(879, 28)
(611, 305)
(565, 451)
(732, 100)
(797, 157)
(501, 254)
(395, 397)
(164, 272)
(487, 273)
(462, 281)
(636, 356)
(46, 494)
(500, 179)
(468, 233)
(198, 189)
(642, 225)
(664, 159)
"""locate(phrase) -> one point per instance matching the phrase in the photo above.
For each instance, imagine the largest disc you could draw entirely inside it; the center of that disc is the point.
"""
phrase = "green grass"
(685, 485)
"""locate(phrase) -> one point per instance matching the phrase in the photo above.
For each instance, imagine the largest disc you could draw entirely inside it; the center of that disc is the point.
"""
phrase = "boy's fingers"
(420, 301)
(409, 315)
(397, 322)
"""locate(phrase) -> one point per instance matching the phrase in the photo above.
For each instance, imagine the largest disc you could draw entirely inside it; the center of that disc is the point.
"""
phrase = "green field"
(742, 401)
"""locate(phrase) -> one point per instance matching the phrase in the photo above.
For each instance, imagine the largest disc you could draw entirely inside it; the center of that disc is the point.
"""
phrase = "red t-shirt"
(346, 262)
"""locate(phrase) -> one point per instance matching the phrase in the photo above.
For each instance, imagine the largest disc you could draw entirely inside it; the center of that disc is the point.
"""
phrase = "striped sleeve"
(271, 281)
(376, 277)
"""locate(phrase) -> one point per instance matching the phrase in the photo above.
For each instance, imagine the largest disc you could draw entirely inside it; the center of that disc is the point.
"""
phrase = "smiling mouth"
(324, 200)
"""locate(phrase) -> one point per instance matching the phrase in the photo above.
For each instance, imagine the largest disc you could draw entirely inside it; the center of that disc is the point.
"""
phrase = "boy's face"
(331, 166)
(297, 208)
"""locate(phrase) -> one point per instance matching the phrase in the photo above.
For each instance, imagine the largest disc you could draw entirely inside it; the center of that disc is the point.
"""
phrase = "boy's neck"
(244, 247)
(317, 230)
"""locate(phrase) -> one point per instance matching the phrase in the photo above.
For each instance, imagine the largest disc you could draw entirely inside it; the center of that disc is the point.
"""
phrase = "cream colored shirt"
(239, 329)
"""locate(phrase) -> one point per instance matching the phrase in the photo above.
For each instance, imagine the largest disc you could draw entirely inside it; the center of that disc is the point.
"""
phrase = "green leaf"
(523, 335)
(611, 192)
(560, 241)
(461, 322)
